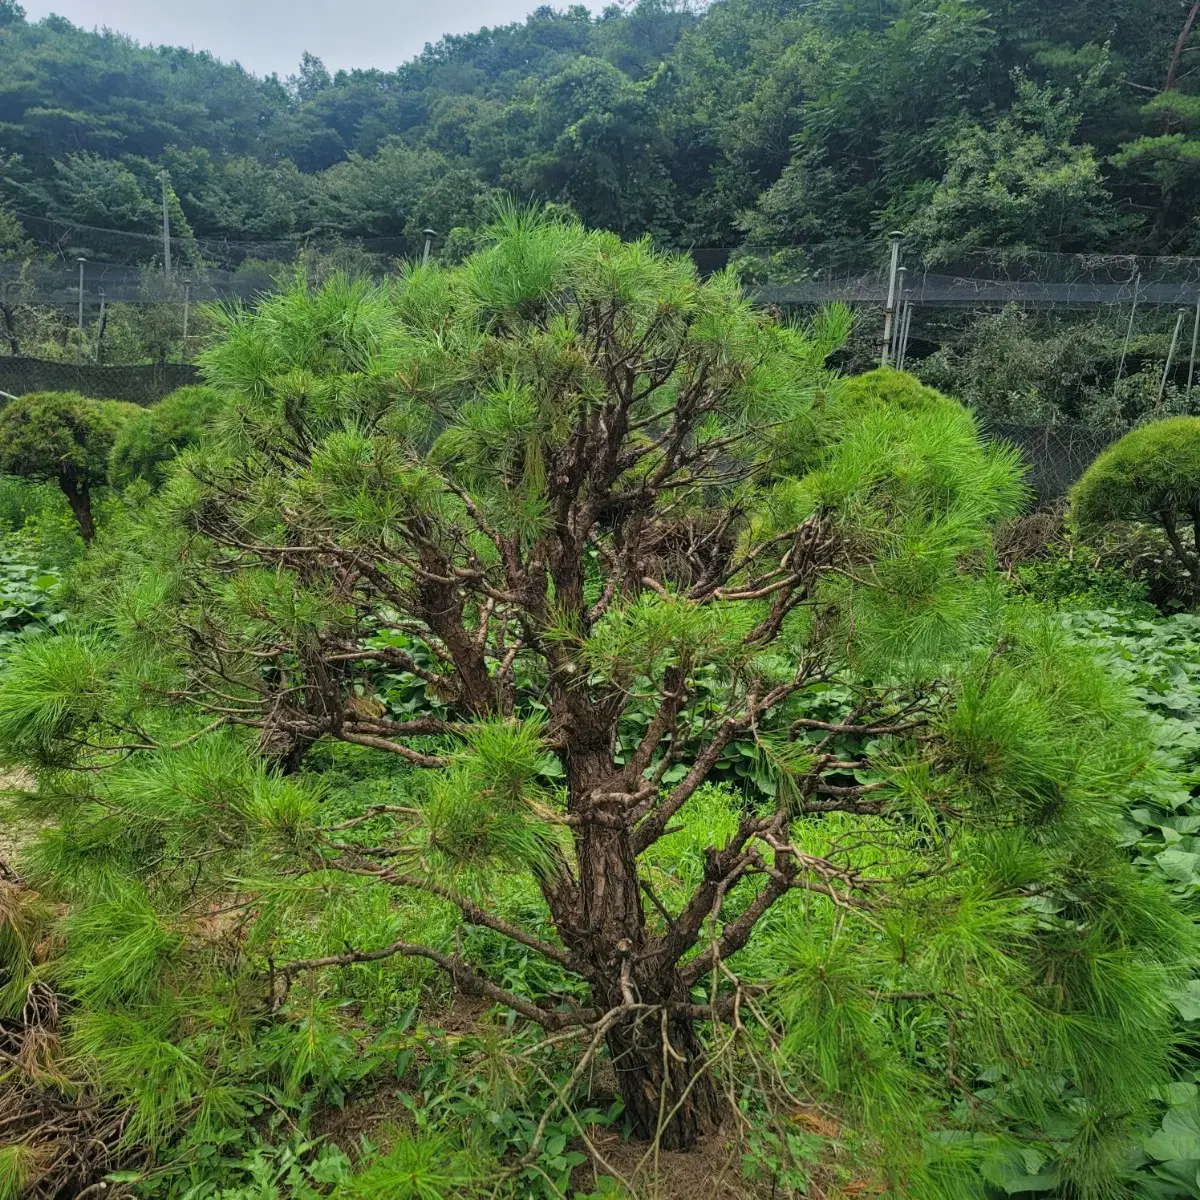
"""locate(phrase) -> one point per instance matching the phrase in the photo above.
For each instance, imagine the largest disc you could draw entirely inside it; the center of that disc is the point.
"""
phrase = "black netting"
(138, 385)
(1057, 454)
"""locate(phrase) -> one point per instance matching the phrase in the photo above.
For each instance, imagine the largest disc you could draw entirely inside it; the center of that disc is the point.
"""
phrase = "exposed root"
(72, 1139)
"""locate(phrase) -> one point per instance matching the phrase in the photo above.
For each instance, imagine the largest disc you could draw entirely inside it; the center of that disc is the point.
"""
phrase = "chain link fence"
(1057, 455)
(136, 384)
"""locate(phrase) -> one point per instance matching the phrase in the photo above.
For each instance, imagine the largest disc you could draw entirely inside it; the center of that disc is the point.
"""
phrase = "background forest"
(991, 135)
(1065, 127)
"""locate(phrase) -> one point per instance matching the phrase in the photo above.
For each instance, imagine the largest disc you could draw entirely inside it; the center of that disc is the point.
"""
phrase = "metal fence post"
(81, 261)
(1192, 359)
(164, 179)
(1137, 283)
(187, 304)
(905, 324)
(79, 348)
(100, 328)
(1162, 387)
(889, 312)
(898, 337)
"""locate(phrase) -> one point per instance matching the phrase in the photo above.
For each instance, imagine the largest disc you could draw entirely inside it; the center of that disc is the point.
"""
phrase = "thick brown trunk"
(1179, 45)
(80, 499)
(660, 1066)
(283, 748)
(655, 1052)
(1189, 558)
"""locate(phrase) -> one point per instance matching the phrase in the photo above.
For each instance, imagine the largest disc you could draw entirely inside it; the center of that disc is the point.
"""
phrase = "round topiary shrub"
(1152, 476)
(148, 442)
(65, 438)
(895, 389)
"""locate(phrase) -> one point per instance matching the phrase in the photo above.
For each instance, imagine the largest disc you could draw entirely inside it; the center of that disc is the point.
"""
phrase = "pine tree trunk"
(658, 1062)
(666, 1091)
(1177, 53)
(79, 497)
(283, 748)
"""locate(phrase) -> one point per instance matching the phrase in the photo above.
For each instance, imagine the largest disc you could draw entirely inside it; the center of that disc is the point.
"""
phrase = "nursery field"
(535, 728)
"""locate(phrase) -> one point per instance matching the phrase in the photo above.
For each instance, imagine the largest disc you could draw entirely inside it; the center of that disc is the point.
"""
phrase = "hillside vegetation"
(1067, 126)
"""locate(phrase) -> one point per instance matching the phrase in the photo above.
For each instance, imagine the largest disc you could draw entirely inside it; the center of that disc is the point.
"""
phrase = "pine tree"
(64, 438)
(693, 635)
(1152, 476)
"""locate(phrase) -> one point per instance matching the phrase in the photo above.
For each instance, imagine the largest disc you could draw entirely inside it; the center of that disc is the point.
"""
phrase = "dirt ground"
(14, 835)
(713, 1171)
(710, 1172)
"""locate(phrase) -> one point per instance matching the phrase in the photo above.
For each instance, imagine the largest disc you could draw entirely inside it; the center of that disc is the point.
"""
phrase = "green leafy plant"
(28, 596)
(1159, 661)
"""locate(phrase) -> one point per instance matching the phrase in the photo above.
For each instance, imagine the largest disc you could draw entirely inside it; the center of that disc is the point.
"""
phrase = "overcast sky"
(270, 35)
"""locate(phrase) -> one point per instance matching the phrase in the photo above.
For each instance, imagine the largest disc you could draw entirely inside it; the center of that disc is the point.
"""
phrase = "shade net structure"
(1148, 306)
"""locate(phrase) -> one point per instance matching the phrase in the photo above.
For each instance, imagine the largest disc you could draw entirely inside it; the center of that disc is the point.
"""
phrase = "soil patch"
(15, 835)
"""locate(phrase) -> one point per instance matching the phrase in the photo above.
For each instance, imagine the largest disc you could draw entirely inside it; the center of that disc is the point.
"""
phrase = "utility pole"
(165, 179)
(889, 312)
(430, 234)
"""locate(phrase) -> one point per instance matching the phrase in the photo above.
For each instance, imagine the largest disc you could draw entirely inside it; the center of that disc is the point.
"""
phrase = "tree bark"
(657, 1054)
(660, 1067)
(10, 328)
(283, 748)
(1191, 561)
(1179, 45)
(100, 330)
(79, 497)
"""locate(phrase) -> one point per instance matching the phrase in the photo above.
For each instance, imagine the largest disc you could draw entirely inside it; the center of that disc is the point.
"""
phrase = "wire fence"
(118, 263)
(1056, 455)
(71, 240)
(141, 384)
(81, 268)
(773, 277)
(60, 286)
(989, 278)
